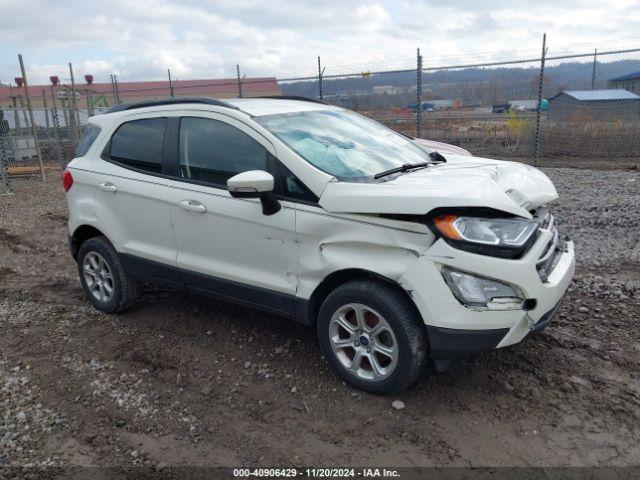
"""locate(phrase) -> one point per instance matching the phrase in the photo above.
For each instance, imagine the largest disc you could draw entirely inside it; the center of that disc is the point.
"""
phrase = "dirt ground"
(183, 380)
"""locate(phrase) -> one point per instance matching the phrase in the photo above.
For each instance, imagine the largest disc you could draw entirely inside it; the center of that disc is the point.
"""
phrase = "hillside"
(484, 85)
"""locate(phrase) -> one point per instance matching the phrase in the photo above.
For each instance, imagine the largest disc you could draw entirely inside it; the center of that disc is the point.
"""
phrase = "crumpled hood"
(460, 182)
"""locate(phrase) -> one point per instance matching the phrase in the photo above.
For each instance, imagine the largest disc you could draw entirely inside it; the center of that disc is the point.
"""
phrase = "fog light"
(474, 291)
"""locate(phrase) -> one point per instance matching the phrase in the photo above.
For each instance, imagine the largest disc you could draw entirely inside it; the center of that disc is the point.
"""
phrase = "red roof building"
(102, 94)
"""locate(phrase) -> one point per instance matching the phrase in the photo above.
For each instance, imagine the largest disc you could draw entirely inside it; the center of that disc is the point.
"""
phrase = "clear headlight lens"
(499, 232)
(476, 291)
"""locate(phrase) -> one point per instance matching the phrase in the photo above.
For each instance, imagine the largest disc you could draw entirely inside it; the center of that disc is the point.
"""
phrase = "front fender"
(330, 243)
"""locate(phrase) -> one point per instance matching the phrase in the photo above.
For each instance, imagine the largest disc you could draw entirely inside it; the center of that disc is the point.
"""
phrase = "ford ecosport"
(398, 251)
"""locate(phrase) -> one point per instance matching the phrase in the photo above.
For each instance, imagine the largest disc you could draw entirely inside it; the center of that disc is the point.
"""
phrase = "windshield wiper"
(403, 168)
(435, 158)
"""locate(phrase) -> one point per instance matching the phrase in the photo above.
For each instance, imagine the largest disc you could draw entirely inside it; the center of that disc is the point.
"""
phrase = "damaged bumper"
(455, 330)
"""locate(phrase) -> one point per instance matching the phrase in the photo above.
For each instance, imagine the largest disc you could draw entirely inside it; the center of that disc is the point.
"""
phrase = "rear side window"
(139, 144)
(212, 151)
(88, 137)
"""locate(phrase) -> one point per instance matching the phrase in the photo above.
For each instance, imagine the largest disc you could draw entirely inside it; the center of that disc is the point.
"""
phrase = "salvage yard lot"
(183, 380)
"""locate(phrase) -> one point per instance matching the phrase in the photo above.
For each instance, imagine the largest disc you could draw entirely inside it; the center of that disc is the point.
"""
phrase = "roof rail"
(294, 97)
(169, 101)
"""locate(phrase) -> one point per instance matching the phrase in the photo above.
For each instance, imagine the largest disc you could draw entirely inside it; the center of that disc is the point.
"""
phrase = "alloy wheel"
(98, 277)
(363, 341)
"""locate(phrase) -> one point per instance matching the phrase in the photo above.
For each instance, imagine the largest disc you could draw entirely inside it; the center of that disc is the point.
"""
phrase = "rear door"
(131, 196)
(227, 245)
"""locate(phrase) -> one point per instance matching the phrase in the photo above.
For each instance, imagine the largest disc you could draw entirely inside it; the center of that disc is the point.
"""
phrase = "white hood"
(460, 182)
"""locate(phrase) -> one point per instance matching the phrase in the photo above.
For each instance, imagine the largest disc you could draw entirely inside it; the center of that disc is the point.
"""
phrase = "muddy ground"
(183, 380)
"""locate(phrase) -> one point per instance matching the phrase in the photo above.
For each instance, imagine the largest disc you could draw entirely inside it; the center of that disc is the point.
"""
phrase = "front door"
(226, 245)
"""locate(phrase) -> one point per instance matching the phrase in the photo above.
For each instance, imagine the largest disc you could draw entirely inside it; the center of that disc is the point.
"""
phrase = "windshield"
(342, 143)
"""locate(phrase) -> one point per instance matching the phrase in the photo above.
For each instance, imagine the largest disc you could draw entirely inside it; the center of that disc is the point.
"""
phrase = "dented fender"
(330, 243)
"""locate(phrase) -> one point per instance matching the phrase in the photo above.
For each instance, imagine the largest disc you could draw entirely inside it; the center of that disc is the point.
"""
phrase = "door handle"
(193, 206)
(108, 187)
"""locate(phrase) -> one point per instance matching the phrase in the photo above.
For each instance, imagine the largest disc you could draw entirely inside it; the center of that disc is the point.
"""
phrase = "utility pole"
(170, 84)
(320, 74)
(419, 96)
(540, 83)
(34, 131)
(593, 73)
(239, 81)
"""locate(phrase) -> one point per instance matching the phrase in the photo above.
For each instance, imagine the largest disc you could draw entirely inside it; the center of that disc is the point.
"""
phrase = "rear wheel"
(103, 277)
(372, 336)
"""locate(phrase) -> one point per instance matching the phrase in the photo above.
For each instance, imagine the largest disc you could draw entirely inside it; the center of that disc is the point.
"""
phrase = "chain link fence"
(577, 109)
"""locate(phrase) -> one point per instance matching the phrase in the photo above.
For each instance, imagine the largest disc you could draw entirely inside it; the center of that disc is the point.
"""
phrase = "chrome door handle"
(193, 206)
(108, 187)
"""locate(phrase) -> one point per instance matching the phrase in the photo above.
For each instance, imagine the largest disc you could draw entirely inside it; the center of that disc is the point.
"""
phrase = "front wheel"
(372, 336)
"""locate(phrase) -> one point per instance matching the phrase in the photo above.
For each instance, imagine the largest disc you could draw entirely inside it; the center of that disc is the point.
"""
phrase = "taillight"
(67, 180)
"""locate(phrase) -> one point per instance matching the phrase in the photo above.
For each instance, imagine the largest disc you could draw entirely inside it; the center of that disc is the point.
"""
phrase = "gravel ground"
(600, 211)
(182, 380)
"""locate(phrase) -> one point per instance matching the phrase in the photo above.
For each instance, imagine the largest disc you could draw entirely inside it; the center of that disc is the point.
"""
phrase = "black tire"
(125, 290)
(403, 318)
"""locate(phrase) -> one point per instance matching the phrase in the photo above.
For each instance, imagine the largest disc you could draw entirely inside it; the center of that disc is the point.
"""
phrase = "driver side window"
(212, 151)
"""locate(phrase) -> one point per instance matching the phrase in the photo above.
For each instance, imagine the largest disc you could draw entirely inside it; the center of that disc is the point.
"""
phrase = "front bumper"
(449, 343)
(455, 330)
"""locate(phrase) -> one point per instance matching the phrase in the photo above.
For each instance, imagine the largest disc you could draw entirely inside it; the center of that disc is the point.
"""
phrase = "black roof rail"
(169, 101)
(294, 97)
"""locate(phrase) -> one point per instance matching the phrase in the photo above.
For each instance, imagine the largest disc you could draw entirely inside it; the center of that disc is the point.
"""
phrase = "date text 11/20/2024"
(315, 473)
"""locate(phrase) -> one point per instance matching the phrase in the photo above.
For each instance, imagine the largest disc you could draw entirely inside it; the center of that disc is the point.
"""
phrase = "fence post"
(89, 103)
(72, 127)
(320, 72)
(5, 185)
(65, 112)
(239, 81)
(74, 103)
(16, 116)
(419, 96)
(46, 113)
(115, 83)
(56, 126)
(536, 152)
(593, 72)
(113, 90)
(170, 84)
(24, 112)
(34, 131)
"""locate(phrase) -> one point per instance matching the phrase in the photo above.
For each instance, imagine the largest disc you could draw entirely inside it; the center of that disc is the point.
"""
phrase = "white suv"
(398, 254)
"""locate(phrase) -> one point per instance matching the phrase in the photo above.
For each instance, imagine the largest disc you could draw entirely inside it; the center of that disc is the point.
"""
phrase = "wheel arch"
(308, 310)
(81, 234)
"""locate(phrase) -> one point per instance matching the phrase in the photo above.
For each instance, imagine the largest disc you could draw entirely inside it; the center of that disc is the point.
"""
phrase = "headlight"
(481, 292)
(502, 237)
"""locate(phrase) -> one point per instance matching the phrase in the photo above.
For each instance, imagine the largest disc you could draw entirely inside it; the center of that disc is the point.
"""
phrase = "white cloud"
(205, 39)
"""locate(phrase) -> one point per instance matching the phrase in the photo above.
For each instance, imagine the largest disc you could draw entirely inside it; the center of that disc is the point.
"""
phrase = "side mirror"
(255, 184)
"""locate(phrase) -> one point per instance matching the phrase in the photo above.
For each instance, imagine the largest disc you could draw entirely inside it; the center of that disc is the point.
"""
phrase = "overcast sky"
(139, 39)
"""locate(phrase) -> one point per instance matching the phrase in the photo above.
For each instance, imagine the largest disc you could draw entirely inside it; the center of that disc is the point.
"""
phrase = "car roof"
(254, 107)
(257, 107)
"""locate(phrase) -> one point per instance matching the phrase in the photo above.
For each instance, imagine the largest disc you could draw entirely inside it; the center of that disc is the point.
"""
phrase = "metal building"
(594, 105)
(630, 82)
